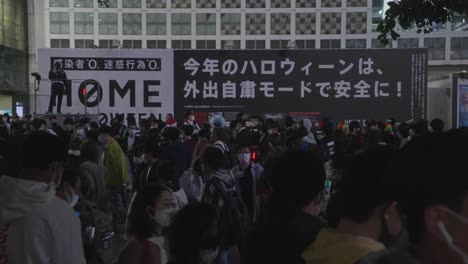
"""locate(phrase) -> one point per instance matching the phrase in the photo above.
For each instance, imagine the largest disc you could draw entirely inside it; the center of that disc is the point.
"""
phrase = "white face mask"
(192, 118)
(132, 132)
(163, 217)
(208, 256)
(448, 238)
(72, 199)
(244, 158)
(80, 132)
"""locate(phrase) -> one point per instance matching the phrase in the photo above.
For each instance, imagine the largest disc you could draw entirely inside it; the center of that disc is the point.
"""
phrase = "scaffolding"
(68, 90)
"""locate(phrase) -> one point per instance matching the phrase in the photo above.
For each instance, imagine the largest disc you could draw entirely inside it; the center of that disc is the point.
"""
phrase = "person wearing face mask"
(289, 222)
(42, 228)
(147, 171)
(70, 185)
(431, 175)
(192, 236)
(80, 131)
(150, 215)
(117, 178)
(190, 120)
(369, 217)
(54, 126)
(248, 173)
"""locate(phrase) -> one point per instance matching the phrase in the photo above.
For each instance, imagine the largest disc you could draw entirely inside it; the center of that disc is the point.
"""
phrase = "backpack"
(234, 223)
(228, 158)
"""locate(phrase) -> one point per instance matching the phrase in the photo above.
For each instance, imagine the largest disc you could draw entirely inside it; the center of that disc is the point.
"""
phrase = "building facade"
(13, 56)
(237, 24)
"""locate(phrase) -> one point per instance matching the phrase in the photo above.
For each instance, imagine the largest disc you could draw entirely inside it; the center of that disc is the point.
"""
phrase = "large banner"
(343, 85)
(111, 82)
(340, 84)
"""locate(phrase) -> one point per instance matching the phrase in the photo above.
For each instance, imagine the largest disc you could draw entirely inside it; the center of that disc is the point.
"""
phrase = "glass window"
(460, 23)
(255, 44)
(305, 43)
(181, 44)
(109, 44)
(305, 23)
(108, 24)
(131, 24)
(331, 3)
(59, 3)
(131, 44)
(109, 4)
(255, 23)
(206, 44)
(355, 43)
(230, 24)
(280, 24)
(306, 3)
(279, 44)
(155, 3)
(231, 4)
(356, 23)
(181, 3)
(84, 44)
(206, 24)
(206, 3)
(131, 4)
(408, 43)
(60, 43)
(156, 44)
(181, 24)
(376, 44)
(459, 49)
(280, 3)
(84, 23)
(226, 43)
(436, 48)
(59, 23)
(255, 3)
(156, 24)
(356, 3)
(330, 44)
(84, 3)
(331, 23)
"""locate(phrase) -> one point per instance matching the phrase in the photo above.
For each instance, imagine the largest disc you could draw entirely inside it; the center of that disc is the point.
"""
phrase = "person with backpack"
(222, 191)
(219, 138)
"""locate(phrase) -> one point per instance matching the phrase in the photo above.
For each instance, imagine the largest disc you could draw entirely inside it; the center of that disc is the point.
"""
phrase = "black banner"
(107, 64)
(340, 84)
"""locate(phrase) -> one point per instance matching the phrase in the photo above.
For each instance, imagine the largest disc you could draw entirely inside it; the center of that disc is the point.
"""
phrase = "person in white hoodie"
(41, 228)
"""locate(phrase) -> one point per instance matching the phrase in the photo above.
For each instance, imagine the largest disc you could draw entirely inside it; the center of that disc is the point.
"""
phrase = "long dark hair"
(140, 223)
(89, 151)
(194, 228)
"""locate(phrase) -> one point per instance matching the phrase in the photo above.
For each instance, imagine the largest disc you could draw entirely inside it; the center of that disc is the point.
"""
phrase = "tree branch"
(425, 14)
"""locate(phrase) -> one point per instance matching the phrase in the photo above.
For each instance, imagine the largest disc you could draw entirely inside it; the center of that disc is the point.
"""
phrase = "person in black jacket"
(58, 79)
(289, 223)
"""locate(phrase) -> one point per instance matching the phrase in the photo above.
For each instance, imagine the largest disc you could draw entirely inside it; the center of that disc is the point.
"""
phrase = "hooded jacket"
(333, 247)
(42, 228)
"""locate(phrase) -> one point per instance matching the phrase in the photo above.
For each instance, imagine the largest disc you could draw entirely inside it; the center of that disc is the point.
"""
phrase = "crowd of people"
(251, 190)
